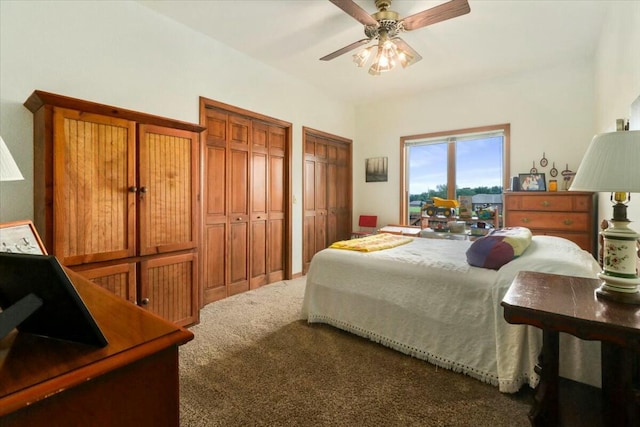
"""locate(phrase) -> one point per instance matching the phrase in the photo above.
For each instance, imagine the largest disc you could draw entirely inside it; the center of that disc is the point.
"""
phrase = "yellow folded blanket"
(375, 242)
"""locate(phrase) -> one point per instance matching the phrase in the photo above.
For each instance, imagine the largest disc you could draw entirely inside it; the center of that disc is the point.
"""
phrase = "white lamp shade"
(611, 164)
(8, 169)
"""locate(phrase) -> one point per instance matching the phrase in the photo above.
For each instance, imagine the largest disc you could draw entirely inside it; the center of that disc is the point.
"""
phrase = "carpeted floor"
(253, 362)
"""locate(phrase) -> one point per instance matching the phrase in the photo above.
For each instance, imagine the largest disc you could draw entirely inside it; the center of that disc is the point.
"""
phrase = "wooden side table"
(568, 304)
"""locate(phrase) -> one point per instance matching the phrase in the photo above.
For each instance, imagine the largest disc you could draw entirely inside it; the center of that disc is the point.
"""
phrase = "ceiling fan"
(385, 25)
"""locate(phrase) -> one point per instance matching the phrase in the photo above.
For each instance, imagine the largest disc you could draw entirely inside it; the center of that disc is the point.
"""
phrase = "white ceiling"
(495, 39)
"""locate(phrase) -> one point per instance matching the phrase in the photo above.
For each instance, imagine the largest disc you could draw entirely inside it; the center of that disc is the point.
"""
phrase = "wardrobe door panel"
(167, 197)
(93, 171)
(118, 278)
(166, 287)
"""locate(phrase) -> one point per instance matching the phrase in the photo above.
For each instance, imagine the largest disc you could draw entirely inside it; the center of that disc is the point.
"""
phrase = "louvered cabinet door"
(93, 170)
(166, 287)
(167, 189)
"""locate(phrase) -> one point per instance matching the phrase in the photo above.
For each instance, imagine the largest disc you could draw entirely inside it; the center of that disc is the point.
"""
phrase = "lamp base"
(620, 275)
(606, 293)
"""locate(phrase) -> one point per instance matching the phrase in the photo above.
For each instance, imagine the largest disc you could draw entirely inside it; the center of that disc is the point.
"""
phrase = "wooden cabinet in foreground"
(116, 194)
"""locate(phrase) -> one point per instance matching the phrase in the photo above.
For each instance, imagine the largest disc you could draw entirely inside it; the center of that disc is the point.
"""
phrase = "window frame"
(451, 171)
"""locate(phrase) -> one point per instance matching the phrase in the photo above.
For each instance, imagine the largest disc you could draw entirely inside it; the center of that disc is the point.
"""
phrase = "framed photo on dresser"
(532, 182)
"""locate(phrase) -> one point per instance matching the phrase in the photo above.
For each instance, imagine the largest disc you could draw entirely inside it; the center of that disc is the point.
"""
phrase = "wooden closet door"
(342, 209)
(278, 176)
(327, 194)
(259, 200)
(215, 207)
(167, 189)
(247, 208)
(238, 182)
(93, 171)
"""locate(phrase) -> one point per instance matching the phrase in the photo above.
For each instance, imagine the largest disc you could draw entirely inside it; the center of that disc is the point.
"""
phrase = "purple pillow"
(499, 247)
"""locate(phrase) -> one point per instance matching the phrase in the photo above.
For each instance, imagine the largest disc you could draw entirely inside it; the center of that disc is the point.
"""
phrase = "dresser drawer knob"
(567, 222)
(546, 204)
(525, 220)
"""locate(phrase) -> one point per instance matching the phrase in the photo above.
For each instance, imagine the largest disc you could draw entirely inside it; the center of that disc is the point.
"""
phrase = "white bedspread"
(423, 299)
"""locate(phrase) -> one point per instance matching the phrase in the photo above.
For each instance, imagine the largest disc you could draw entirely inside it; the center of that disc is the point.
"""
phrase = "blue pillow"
(499, 247)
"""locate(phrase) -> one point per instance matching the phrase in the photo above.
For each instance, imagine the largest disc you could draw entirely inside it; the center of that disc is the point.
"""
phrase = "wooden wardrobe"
(116, 198)
(247, 200)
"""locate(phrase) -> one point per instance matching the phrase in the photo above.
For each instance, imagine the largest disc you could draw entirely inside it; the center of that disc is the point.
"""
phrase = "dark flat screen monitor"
(63, 315)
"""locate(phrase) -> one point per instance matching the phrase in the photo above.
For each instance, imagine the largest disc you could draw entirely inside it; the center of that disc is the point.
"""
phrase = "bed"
(424, 299)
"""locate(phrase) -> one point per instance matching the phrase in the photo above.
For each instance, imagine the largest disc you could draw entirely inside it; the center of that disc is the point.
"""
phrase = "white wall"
(122, 54)
(618, 83)
(550, 110)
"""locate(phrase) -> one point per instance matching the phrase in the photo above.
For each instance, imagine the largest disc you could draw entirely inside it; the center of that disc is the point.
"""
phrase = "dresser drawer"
(547, 203)
(563, 221)
(568, 214)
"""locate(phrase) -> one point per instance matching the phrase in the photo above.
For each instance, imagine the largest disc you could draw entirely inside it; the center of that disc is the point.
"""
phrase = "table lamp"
(8, 169)
(612, 164)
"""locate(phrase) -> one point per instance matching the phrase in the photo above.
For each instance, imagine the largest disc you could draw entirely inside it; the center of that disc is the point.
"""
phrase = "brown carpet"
(253, 362)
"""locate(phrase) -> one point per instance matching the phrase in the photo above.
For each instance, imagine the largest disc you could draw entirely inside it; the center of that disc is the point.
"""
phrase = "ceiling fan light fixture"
(405, 58)
(362, 56)
(386, 25)
(384, 60)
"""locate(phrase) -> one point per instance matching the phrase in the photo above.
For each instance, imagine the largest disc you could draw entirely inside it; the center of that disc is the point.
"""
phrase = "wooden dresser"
(569, 214)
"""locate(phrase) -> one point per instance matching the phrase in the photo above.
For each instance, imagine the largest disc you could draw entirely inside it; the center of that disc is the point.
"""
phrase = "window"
(449, 164)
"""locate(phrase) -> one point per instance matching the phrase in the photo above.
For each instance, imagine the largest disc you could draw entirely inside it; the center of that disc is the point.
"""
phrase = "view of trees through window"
(469, 164)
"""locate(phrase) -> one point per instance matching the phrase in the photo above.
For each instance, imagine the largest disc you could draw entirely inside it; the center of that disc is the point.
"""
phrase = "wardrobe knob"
(133, 189)
(145, 301)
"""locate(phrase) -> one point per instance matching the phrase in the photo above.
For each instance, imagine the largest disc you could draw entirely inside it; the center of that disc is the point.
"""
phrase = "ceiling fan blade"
(402, 45)
(436, 14)
(355, 11)
(344, 50)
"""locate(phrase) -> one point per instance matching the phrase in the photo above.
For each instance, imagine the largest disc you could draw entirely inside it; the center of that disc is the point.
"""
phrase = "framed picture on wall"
(532, 182)
(20, 237)
(376, 169)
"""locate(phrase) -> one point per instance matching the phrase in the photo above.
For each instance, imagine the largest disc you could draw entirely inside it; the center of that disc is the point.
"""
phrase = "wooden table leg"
(544, 411)
(619, 393)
